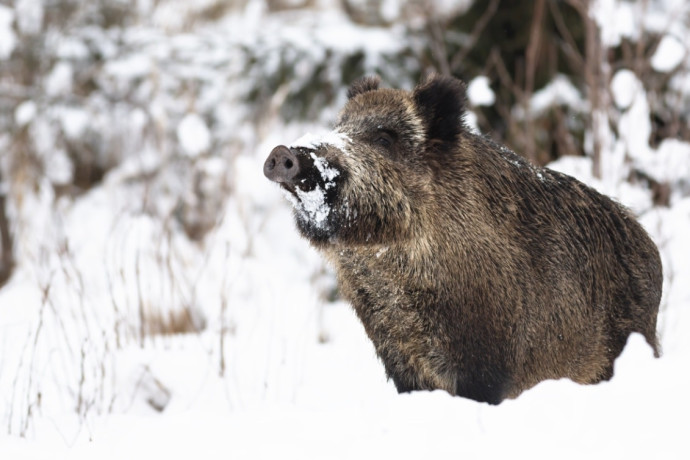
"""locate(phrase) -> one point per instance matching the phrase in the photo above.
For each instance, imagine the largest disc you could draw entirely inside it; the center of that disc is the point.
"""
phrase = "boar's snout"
(282, 165)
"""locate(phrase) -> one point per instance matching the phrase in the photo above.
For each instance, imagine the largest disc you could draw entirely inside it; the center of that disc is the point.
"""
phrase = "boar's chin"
(314, 214)
(316, 233)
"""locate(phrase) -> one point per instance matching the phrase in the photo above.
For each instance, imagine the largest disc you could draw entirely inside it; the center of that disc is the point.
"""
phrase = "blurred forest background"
(132, 133)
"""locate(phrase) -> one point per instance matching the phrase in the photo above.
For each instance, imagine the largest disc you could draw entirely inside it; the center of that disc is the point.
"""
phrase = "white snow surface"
(275, 371)
(194, 135)
(560, 91)
(312, 205)
(24, 113)
(616, 19)
(327, 173)
(74, 121)
(669, 54)
(479, 92)
(59, 81)
(8, 39)
(29, 16)
(624, 87)
(311, 141)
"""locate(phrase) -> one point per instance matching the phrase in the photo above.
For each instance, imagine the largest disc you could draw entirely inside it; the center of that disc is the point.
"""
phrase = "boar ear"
(441, 103)
(363, 85)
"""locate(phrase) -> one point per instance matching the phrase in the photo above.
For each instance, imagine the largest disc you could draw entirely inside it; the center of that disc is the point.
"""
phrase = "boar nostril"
(288, 163)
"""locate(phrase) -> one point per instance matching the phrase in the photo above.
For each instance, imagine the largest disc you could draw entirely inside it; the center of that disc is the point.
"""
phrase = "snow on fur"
(312, 142)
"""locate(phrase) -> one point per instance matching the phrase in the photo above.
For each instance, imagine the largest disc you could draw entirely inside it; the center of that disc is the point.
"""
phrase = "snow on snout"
(327, 173)
(310, 141)
(311, 205)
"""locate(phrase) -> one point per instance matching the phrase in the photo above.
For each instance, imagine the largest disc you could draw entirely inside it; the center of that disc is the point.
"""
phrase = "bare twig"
(29, 385)
(142, 313)
(474, 35)
(438, 45)
(594, 78)
(570, 46)
(495, 62)
(534, 45)
(530, 71)
(223, 311)
(6, 244)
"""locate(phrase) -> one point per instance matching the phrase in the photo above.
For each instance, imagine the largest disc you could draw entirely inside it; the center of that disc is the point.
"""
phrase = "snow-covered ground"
(242, 354)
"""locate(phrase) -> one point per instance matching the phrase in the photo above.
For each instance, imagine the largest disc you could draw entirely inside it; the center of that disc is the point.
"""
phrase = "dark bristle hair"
(363, 85)
(441, 103)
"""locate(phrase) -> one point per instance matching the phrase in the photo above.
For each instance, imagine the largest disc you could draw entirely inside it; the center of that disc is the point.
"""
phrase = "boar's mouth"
(290, 189)
(312, 200)
(305, 182)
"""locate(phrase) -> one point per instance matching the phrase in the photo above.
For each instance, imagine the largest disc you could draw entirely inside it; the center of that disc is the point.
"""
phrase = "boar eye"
(384, 139)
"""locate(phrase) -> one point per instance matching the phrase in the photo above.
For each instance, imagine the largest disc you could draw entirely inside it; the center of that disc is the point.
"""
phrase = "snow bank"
(628, 417)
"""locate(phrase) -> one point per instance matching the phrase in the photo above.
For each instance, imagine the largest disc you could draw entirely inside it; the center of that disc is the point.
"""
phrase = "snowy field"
(172, 310)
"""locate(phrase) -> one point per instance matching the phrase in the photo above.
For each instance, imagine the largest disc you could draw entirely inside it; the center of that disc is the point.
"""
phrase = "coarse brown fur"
(472, 270)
